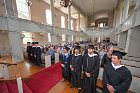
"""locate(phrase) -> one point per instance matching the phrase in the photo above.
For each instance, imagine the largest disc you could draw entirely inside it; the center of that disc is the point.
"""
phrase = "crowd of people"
(81, 62)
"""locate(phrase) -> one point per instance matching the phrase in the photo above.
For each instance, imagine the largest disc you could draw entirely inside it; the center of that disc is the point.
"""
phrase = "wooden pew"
(5, 68)
(13, 79)
(100, 85)
(18, 80)
(6, 63)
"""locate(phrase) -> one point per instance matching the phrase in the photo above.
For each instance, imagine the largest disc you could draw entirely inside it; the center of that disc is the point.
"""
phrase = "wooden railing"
(6, 78)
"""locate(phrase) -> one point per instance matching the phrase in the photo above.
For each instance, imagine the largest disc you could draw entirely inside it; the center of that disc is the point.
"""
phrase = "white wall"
(133, 43)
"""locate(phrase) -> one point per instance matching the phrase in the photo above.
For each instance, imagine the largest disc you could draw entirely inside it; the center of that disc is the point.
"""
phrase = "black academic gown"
(90, 65)
(120, 78)
(66, 70)
(29, 51)
(33, 57)
(76, 63)
(37, 56)
(105, 60)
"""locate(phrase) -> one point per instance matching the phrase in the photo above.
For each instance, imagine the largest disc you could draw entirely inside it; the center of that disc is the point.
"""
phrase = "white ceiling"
(92, 6)
(89, 7)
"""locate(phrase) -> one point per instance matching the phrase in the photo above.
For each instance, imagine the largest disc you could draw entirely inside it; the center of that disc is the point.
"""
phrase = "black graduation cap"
(119, 53)
(33, 42)
(77, 47)
(90, 47)
(67, 48)
(36, 42)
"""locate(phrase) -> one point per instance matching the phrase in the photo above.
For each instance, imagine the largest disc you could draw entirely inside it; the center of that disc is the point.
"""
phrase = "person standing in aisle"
(29, 50)
(66, 64)
(91, 65)
(76, 68)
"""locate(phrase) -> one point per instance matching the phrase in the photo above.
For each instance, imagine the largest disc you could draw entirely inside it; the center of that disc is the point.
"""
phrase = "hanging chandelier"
(28, 3)
(65, 3)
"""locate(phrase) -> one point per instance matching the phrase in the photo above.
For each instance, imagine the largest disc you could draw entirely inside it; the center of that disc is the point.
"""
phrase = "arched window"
(101, 24)
(63, 37)
(71, 24)
(72, 37)
(23, 9)
(28, 37)
(49, 37)
(62, 22)
(48, 17)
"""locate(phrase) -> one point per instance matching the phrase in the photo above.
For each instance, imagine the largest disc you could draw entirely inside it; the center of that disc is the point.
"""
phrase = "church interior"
(53, 26)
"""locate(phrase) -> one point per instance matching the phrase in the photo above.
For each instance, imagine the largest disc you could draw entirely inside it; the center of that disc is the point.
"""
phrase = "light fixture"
(28, 3)
(65, 3)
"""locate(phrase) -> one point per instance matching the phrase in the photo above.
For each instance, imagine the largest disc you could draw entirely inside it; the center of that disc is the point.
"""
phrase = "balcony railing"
(129, 22)
(100, 28)
(18, 24)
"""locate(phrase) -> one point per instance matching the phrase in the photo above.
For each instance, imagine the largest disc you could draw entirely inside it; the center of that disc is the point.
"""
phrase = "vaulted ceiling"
(88, 7)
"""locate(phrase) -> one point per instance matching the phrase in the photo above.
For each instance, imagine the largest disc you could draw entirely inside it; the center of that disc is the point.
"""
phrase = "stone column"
(137, 4)
(69, 38)
(54, 39)
(69, 17)
(52, 10)
(78, 21)
(77, 38)
(132, 44)
(122, 40)
(9, 7)
(115, 18)
(16, 46)
(126, 8)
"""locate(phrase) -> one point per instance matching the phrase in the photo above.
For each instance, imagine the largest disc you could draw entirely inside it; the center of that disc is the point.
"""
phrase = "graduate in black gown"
(29, 51)
(107, 57)
(116, 77)
(66, 57)
(32, 53)
(91, 64)
(76, 68)
(37, 54)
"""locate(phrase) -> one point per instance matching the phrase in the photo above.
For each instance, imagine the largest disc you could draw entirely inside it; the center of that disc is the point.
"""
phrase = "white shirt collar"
(66, 54)
(92, 55)
(77, 54)
(116, 67)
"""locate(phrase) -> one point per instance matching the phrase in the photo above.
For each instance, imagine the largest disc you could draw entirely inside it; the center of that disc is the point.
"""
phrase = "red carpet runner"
(41, 82)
